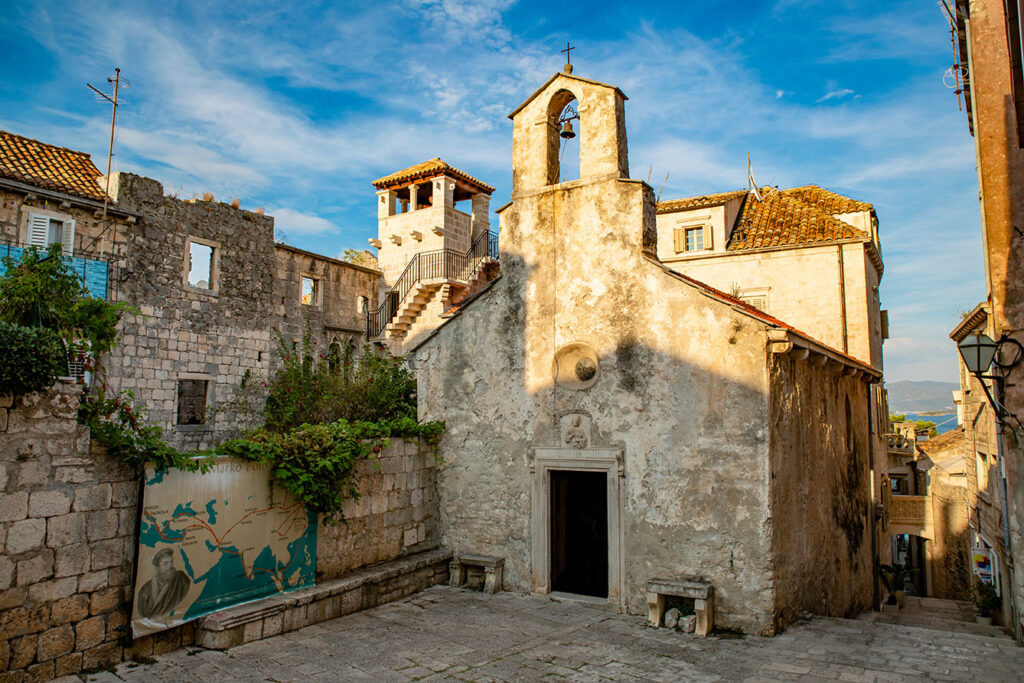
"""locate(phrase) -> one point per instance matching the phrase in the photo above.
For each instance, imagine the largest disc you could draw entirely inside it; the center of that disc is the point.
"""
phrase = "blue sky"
(296, 107)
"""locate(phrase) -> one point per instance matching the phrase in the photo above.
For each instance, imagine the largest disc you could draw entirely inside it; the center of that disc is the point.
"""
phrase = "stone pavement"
(446, 633)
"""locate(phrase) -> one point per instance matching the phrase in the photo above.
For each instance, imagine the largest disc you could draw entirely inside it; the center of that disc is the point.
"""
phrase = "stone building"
(211, 286)
(805, 255)
(431, 254)
(610, 420)
(989, 46)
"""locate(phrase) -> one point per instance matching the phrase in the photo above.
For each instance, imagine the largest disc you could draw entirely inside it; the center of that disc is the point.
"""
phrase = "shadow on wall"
(708, 475)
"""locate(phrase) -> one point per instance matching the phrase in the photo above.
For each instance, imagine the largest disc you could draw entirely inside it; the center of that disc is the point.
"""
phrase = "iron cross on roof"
(568, 62)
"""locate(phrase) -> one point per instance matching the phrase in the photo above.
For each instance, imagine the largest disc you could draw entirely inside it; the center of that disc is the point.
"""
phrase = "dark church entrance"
(579, 532)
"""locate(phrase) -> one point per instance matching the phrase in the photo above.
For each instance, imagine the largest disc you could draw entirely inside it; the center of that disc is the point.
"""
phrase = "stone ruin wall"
(68, 523)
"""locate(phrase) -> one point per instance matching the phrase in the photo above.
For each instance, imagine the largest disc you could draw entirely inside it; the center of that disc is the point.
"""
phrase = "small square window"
(310, 290)
(192, 401)
(200, 265)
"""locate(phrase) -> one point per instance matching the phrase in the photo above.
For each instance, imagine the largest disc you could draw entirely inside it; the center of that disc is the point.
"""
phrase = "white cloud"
(292, 222)
(835, 95)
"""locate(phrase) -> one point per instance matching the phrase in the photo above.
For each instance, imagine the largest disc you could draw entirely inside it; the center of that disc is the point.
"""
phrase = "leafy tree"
(897, 417)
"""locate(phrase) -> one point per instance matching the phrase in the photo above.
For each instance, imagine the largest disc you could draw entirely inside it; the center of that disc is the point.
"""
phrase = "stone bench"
(492, 566)
(701, 592)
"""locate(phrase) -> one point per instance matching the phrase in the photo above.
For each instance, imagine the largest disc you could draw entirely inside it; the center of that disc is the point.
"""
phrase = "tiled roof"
(699, 202)
(783, 219)
(826, 200)
(943, 442)
(48, 166)
(429, 169)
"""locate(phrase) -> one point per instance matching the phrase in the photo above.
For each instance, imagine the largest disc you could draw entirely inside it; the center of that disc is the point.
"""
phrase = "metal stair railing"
(431, 265)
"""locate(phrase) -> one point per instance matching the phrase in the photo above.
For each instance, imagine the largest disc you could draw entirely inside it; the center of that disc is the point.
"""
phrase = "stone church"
(611, 421)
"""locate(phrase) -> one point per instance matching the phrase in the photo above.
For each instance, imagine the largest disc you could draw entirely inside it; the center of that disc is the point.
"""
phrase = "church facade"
(611, 421)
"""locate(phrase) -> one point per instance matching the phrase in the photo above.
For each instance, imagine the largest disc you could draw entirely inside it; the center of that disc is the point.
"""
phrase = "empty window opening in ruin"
(192, 401)
(310, 290)
(200, 265)
(564, 138)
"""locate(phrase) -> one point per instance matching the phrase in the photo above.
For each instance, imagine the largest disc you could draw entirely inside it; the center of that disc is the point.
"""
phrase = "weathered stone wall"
(222, 335)
(951, 573)
(68, 522)
(334, 315)
(396, 514)
(68, 518)
(820, 523)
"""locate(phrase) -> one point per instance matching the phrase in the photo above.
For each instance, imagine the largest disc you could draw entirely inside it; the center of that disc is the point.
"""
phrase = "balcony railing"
(94, 272)
(440, 264)
(900, 444)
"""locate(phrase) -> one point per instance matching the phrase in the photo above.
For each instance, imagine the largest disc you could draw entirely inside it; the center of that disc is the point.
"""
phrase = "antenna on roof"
(751, 185)
(955, 72)
(116, 81)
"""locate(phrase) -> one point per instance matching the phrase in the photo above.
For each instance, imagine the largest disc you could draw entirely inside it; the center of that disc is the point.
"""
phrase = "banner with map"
(211, 540)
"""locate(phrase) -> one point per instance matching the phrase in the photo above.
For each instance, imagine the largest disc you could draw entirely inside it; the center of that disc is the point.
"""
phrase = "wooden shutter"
(68, 238)
(679, 240)
(38, 230)
(707, 236)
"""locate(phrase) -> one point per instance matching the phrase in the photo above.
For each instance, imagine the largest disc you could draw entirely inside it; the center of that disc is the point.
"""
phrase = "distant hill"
(915, 397)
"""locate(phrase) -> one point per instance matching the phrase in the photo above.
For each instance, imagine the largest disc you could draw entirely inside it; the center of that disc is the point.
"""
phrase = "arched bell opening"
(565, 135)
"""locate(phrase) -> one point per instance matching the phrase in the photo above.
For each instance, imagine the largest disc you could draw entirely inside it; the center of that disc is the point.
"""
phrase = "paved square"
(446, 633)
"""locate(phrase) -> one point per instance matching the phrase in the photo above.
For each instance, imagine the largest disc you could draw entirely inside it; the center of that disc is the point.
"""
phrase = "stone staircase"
(956, 616)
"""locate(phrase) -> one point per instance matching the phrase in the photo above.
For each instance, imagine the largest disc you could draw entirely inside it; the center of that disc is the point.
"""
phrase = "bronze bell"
(567, 132)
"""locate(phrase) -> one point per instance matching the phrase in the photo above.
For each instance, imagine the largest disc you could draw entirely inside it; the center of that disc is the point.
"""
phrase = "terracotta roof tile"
(826, 200)
(429, 169)
(47, 166)
(783, 219)
(699, 202)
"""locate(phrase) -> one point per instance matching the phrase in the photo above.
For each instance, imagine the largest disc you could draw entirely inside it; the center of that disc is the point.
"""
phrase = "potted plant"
(894, 577)
(987, 600)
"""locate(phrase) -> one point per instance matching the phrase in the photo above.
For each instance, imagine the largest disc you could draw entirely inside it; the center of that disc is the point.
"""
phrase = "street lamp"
(977, 349)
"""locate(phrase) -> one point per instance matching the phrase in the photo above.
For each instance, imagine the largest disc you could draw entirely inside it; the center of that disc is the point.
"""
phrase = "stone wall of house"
(951, 573)
(821, 521)
(333, 314)
(395, 515)
(220, 335)
(68, 523)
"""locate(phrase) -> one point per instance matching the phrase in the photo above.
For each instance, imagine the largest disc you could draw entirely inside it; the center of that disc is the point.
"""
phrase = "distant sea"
(943, 423)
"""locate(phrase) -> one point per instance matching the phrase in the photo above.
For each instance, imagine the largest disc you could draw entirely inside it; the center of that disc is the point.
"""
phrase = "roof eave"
(551, 80)
(977, 316)
(83, 202)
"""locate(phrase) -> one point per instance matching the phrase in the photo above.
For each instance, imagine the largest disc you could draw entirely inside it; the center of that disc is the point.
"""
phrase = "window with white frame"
(44, 230)
(691, 238)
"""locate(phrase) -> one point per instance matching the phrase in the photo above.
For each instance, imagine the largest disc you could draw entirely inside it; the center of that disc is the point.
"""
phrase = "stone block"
(109, 553)
(101, 656)
(101, 524)
(68, 664)
(104, 600)
(33, 473)
(13, 597)
(88, 498)
(253, 631)
(48, 504)
(55, 642)
(36, 568)
(23, 651)
(87, 583)
(6, 572)
(124, 494)
(5, 655)
(65, 530)
(71, 560)
(166, 641)
(273, 624)
(57, 589)
(73, 475)
(294, 618)
(26, 535)
(127, 521)
(3, 468)
(39, 673)
(13, 506)
(67, 610)
(90, 632)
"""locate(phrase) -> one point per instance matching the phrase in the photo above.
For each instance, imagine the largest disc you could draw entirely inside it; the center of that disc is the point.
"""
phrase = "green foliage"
(926, 424)
(357, 257)
(897, 417)
(894, 576)
(316, 388)
(987, 599)
(33, 358)
(120, 425)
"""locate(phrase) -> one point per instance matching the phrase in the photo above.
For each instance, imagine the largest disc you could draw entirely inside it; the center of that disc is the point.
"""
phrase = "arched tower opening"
(565, 138)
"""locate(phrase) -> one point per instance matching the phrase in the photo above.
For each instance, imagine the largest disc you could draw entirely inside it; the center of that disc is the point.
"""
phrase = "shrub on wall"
(34, 358)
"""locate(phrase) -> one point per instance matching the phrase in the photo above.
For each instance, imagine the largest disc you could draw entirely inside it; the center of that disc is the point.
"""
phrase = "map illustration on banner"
(209, 541)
